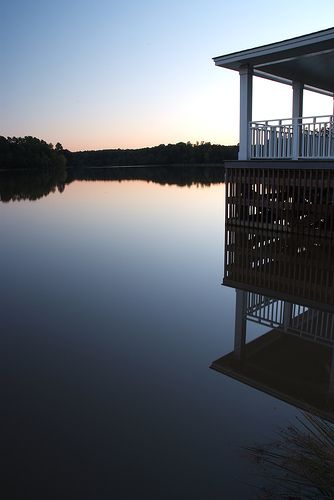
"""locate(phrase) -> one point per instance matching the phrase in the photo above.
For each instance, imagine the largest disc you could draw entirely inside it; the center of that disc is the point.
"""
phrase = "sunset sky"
(96, 74)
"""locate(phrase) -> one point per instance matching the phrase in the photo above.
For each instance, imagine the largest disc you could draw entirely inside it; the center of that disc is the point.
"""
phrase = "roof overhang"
(308, 59)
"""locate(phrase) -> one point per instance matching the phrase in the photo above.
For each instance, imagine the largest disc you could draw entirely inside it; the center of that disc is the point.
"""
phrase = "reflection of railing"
(293, 138)
(309, 323)
(264, 310)
(312, 324)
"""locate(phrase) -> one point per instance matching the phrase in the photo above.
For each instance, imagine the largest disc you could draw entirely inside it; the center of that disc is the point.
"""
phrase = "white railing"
(293, 138)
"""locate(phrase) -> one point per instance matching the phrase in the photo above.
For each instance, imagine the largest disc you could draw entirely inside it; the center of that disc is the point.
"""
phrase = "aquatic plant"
(300, 464)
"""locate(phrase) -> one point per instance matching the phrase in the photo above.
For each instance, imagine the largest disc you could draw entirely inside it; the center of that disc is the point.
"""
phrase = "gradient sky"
(106, 74)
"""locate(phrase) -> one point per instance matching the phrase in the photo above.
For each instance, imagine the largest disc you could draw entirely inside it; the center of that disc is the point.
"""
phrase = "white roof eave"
(238, 58)
(295, 48)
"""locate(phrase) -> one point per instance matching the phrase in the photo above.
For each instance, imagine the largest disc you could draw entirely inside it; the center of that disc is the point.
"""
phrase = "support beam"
(240, 323)
(297, 112)
(246, 100)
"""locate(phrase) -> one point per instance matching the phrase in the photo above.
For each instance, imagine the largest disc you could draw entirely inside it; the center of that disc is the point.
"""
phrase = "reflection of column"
(331, 376)
(240, 323)
(287, 314)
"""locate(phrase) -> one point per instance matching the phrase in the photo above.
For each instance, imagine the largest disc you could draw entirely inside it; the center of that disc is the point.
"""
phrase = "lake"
(113, 311)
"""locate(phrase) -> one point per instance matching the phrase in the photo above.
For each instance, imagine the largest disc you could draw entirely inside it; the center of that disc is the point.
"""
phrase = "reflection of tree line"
(168, 174)
(31, 185)
(34, 184)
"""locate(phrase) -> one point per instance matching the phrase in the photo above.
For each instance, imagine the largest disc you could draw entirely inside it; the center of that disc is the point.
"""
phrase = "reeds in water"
(300, 464)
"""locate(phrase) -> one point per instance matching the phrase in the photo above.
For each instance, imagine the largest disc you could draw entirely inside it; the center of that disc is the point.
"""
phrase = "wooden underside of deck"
(284, 196)
(282, 164)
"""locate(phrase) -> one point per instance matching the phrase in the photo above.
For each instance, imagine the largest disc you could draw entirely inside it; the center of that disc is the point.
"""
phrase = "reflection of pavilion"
(286, 283)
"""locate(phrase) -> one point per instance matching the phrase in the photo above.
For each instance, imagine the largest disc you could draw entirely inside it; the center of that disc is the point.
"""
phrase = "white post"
(297, 112)
(240, 323)
(246, 98)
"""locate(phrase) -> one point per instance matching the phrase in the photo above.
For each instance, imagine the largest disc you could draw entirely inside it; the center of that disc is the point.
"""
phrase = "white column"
(297, 112)
(240, 323)
(246, 98)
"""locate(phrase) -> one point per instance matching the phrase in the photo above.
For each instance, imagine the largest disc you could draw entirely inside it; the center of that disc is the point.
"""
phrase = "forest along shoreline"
(31, 152)
(30, 168)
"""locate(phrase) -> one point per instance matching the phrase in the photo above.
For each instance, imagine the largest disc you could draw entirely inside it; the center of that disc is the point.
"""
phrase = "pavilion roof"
(308, 59)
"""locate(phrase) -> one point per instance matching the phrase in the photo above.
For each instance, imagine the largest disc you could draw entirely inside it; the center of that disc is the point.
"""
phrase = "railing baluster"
(330, 137)
(274, 138)
(307, 127)
(324, 139)
(315, 142)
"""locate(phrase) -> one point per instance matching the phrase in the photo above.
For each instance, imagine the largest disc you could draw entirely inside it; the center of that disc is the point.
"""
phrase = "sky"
(95, 74)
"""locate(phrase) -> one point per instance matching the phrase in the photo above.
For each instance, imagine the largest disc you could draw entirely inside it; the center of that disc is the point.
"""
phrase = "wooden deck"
(289, 196)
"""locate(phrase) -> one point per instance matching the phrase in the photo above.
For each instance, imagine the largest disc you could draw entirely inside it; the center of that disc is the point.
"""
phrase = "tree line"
(30, 153)
(181, 153)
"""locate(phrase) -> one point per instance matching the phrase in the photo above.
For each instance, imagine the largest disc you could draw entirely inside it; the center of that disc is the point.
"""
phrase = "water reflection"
(185, 175)
(35, 184)
(120, 313)
(31, 185)
(283, 283)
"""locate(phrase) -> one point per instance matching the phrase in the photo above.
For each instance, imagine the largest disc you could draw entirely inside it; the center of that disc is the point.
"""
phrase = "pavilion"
(304, 62)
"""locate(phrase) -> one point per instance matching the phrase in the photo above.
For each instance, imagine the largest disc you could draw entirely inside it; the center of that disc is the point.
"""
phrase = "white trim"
(273, 48)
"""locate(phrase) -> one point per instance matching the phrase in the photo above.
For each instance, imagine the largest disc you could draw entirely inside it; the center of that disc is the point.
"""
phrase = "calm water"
(112, 311)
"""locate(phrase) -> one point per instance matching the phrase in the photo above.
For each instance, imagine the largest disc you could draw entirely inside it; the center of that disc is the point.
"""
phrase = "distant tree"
(30, 152)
